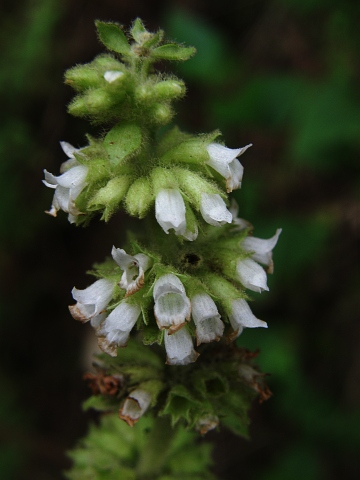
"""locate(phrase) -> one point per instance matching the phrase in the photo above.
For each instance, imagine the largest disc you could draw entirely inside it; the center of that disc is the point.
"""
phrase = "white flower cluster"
(173, 309)
(170, 209)
(170, 212)
(67, 186)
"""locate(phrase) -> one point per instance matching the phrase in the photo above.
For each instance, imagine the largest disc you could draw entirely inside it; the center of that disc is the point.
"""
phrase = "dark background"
(280, 74)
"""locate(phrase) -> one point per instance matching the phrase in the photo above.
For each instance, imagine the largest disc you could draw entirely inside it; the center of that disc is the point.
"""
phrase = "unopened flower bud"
(83, 77)
(194, 185)
(139, 197)
(111, 195)
(94, 102)
(169, 89)
(161, 113)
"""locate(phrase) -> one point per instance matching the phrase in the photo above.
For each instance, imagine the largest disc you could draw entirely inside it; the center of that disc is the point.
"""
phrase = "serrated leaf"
(113, 37)
(172, 51)
(181, 403)
(121, 141)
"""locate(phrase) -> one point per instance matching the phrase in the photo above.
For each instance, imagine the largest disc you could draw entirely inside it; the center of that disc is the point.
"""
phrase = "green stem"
(155, 450)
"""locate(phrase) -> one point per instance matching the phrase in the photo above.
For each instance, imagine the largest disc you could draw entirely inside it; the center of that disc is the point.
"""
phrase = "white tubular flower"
(112, 75)
(242, 317)
(240, 223)
(213, 210)
(67, 187)
(224, 161)
(91, 301)
(172, 307)
(116, 329)
(261, 249)
(170, 211)
(207, 423)
(179, 348)
(251, 275)
(206, 317)
(135, 406)
(134, 269)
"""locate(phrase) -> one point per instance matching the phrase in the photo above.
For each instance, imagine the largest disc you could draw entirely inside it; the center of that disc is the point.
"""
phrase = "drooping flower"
(242, 317)
(67, 188)
(261, 249)
(179, 348)
(135, 406)
(170, 213)
(213, 210)
(134, 269)
(206, 317)
(115, 330)
(251, 275)
(172, 306)
(91, 301)
(224, 161)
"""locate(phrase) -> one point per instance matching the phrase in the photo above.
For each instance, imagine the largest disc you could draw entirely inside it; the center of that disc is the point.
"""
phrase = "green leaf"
(133, 354)
(172, 51)
(138, 30)
(154, 40)
(101, 403)
(140, 373)
(113, 37)
(121, 141)
(181, 403)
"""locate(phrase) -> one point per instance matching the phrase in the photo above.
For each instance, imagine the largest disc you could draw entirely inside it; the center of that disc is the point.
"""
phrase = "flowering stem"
(154, 453)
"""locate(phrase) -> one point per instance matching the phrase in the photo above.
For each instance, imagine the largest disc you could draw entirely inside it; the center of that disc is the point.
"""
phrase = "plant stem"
(156, 449)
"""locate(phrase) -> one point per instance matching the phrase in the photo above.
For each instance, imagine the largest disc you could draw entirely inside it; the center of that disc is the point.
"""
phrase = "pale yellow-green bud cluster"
(120, 85)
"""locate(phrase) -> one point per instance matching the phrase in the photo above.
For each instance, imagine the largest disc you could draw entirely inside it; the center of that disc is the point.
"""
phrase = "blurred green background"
(281, 74)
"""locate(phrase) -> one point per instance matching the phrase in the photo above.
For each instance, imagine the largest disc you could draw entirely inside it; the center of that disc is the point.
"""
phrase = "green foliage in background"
(307, 114)
(316, 118)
